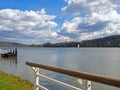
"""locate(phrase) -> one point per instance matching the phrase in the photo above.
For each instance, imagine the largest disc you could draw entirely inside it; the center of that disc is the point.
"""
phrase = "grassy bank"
(10, 82)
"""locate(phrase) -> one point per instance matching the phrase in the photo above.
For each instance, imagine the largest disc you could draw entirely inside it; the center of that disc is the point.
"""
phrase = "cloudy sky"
(40, 21)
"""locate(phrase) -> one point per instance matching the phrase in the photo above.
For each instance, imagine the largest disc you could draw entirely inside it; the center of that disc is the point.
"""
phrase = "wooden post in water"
(16, 51)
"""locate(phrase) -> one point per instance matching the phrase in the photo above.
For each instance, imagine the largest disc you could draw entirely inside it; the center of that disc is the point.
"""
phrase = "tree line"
(109, 41)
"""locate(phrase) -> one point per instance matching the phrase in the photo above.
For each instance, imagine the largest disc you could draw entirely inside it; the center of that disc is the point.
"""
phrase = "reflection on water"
(12, 61)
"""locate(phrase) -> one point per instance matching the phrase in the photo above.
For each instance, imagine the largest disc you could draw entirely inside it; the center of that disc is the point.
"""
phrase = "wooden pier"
(9, 53)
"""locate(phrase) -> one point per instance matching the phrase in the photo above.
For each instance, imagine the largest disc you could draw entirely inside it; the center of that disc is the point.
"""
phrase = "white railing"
(86, 85)
(85, 82)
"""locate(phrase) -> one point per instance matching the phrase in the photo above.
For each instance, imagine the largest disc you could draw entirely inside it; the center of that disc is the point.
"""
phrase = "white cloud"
(116, 2)
(88, 6)
(75, 6)
(27, 26)
(69, 28)
(101, 19)
(21, 20)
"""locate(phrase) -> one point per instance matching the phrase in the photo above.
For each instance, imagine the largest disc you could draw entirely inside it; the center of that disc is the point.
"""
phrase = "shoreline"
(11, 82)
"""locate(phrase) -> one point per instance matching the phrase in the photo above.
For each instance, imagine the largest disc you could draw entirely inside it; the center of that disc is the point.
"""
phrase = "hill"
(10, 44)
(109, 41)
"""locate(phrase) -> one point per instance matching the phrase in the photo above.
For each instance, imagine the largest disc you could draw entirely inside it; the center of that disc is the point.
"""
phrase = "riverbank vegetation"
(109, 41)
(11, 82)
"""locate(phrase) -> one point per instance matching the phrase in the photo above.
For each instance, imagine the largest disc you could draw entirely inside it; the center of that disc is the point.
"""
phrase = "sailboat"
(78, 46)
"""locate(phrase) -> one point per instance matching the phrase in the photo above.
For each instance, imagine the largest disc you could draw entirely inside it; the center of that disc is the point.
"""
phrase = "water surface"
(105, 61)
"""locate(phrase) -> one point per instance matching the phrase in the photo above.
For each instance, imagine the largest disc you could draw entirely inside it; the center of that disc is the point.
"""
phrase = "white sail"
(78, 45)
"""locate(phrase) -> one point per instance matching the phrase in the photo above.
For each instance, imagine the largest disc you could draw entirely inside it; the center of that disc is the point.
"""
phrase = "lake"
(104, 61)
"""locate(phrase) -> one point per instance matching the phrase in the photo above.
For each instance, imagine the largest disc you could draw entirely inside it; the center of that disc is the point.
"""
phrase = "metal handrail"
(83, 75)
(59, 82)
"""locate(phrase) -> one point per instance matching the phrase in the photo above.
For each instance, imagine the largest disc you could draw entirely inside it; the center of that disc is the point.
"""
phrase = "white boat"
(78, 46)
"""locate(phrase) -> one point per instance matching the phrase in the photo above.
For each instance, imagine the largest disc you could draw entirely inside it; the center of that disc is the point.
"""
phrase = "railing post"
(85, 84)
(37, 78)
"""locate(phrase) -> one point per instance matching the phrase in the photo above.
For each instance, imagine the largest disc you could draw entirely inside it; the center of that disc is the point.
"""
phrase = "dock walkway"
(9, 53)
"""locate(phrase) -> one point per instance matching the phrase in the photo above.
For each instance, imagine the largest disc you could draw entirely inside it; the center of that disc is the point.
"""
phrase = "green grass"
(10, 82)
